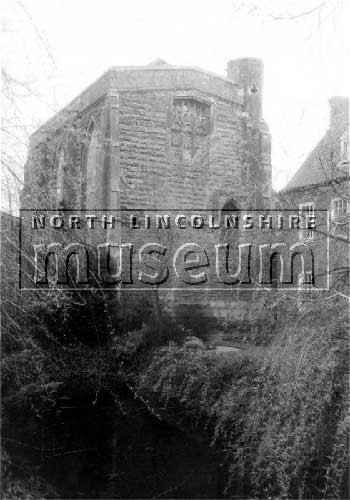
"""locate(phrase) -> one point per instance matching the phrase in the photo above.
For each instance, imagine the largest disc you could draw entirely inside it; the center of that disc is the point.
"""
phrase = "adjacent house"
(321, 185)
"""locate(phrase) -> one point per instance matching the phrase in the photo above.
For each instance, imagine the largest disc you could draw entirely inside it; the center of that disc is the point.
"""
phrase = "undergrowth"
(279, 412)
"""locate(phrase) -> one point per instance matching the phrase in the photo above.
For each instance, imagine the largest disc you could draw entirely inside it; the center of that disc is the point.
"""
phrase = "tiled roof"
(322, 164)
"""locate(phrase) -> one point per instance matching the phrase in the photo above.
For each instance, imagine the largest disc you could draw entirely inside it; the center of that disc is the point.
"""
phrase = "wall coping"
(108, 81)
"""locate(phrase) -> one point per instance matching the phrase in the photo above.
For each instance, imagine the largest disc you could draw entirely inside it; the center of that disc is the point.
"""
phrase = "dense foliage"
(63, 350)
(281, 413)
(276, 412)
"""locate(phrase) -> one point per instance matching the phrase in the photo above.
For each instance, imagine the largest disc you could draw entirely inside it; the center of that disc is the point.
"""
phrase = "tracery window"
(190, 128)
(67, 181)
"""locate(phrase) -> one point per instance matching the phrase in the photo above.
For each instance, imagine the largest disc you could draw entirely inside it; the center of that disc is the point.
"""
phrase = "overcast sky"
(60, 47)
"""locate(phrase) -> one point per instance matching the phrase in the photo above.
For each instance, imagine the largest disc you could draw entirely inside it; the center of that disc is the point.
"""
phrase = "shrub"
(279, 412)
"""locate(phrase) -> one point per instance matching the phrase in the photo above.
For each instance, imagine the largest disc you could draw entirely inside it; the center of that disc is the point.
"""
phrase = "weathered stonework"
(160, 136)
(157, 137)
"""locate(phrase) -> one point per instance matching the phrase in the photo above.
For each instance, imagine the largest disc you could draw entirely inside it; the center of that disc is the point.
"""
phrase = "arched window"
(60, 191)
(229, 206)
(89, 172)
(229, 210)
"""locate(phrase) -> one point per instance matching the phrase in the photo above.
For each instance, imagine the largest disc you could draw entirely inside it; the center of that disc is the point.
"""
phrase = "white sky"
(60, 47)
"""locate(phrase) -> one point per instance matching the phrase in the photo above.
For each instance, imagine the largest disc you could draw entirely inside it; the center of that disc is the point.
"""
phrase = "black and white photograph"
(175, 211)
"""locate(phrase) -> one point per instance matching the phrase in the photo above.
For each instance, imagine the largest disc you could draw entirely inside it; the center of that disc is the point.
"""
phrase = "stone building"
(156, 136)
(159, 138)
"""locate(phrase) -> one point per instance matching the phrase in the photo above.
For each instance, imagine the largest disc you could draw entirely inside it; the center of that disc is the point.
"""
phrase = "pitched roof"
(323, 163)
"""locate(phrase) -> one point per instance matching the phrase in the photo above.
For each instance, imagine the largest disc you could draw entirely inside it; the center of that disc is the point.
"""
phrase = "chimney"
(339, 112)
(249, 72)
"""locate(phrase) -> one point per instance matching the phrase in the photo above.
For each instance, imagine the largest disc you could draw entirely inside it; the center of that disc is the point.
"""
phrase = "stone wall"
(164, 139)
(223, 162)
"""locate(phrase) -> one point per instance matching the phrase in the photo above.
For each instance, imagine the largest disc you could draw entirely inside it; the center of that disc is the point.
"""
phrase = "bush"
(279, 412)
(89, 317)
